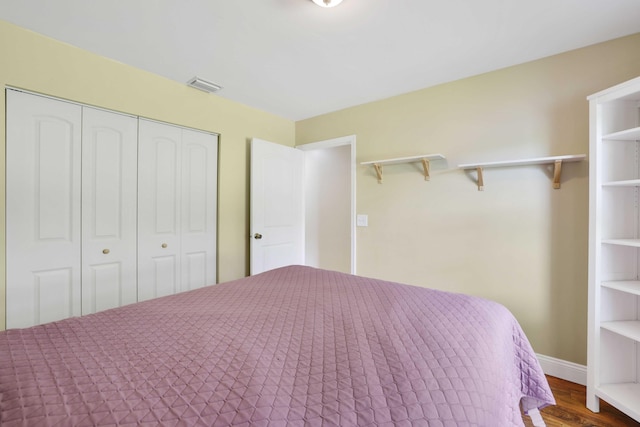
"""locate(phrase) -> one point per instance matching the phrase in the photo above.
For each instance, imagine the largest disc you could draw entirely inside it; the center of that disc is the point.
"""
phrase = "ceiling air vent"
(204, 85)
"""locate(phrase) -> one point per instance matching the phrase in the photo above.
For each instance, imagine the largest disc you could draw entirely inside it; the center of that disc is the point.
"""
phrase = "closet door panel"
(53, 295)
(199, 204)
(159, 198)
(42, 209)
(163, 276)
(109, 210)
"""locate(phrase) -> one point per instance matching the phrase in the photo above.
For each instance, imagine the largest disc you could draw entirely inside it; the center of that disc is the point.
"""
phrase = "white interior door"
(109, 199)
(42, 209)
(277, 206)
(159, 196)
(199, 206)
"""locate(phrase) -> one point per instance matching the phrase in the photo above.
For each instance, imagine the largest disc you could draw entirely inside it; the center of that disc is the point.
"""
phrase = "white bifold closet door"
(42, 209)
(109, 209)
(71, 209)
(103, 209)
(177, 186)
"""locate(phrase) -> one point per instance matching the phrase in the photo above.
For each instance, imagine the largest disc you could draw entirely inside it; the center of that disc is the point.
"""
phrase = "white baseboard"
(563, 369)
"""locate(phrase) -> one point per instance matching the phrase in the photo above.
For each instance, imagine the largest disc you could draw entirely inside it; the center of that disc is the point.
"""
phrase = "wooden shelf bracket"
(480, 179)
(557, 170)
(378, 168)
(425, 166)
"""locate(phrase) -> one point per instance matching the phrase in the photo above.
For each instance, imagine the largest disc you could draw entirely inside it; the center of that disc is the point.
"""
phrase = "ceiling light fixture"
(327, 3)
(204, 85)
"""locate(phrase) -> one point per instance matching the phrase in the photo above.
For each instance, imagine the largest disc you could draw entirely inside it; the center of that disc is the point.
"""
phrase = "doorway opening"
(330, 204)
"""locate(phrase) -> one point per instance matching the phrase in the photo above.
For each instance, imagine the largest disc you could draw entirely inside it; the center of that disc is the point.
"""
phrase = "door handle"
(257, 236)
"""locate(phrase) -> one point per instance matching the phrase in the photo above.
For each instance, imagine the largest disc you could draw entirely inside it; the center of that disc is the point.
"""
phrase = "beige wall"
(40, 64)
(519, 242)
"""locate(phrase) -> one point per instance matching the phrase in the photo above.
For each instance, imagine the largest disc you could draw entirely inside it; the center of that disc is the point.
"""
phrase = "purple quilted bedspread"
(294, 346)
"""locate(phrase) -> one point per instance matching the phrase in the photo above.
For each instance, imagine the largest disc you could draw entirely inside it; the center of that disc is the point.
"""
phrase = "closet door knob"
(164, 245)
(105, 251)
(257, 236)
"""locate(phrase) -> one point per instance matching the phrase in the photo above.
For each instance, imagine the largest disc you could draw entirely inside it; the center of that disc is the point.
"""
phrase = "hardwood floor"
(571, 409)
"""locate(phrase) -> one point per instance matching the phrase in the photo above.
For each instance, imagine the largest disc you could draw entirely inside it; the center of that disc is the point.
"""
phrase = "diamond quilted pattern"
(293, 346)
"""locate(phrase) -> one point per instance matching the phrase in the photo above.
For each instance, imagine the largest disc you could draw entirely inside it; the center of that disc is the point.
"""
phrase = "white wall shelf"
(425, 159)
(555, 160)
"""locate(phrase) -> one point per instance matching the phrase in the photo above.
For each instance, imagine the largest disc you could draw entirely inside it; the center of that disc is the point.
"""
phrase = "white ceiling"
(297, 60)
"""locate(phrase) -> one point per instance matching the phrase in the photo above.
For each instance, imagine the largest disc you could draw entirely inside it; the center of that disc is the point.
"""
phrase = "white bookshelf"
(613, 364)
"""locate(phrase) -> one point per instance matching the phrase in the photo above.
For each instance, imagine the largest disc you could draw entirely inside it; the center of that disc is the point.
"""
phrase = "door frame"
(349, 140)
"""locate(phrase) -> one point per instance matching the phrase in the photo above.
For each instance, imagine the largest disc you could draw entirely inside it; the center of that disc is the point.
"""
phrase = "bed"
(294, 346)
